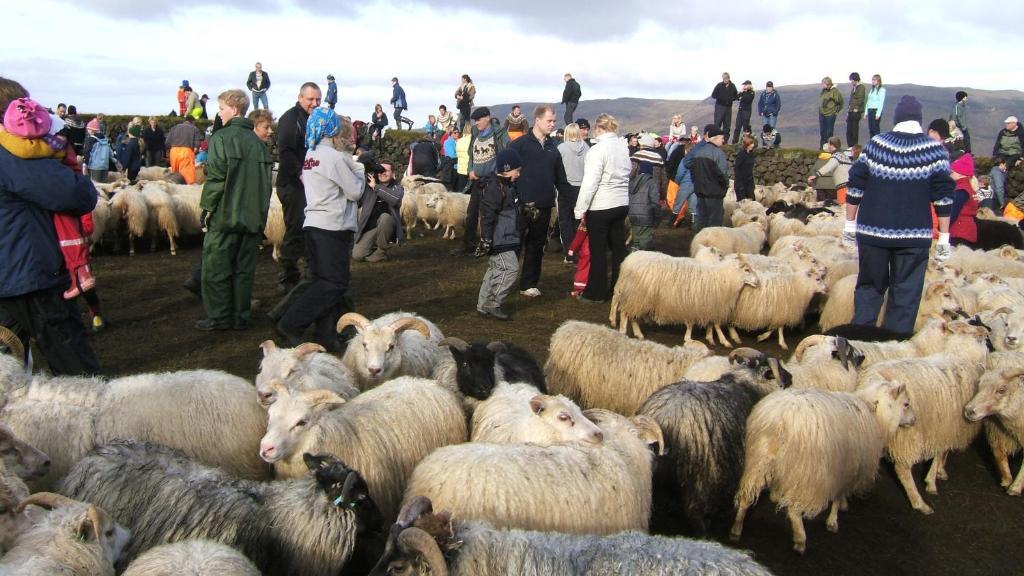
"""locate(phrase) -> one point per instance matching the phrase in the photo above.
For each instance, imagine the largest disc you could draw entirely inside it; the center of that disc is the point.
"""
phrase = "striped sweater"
(894, 181)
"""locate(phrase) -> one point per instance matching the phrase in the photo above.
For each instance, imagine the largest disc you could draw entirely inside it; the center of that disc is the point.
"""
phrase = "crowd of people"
(341, 203)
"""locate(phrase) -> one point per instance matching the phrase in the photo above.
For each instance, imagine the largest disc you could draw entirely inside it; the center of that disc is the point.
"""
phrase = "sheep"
(129, 206)
(1007, 328)
(747, 239)
(931, 339)
(999, 395)
(192, 558)
(827, 249)
(153, 173)
(475, 369)
(422, 542)
(687, 291)
(999, 297)
(211, 415)
(409, 213)
(839, 270)
(938, 386)
(994, 233)
(383, 432)
(305, 367)
(601, 489)
(451, 211)
(825, 362)
(814, 447)
(780, 227)
(162, 214)
(779, 300)
(186, 199)
(274, 230)
(102, 215)
(937, 298)
(989, 214)
(703, 424)
(396, 344)
(599, 368)
(70, 538)
(747, 211)
(417, 190)
(19, 458)
(966, 261)
(305, 526)
(517, 413)
(18, 461)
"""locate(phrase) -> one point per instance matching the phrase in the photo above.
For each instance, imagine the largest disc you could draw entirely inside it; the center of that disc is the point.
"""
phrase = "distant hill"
(798, 121)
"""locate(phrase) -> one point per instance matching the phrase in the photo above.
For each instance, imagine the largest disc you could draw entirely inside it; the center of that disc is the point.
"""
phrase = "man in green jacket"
(830, 102)
(858, 96)
(234, 203)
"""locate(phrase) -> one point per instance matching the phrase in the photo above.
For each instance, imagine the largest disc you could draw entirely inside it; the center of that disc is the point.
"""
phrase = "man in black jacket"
(746, 98)
(708, 167)
(291, 148)
(425, 160)
(570, 97)
(724, 94)
(542, 173)
(258, 83)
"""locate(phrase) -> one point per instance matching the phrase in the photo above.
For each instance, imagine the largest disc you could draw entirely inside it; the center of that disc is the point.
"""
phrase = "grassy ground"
(975, 530)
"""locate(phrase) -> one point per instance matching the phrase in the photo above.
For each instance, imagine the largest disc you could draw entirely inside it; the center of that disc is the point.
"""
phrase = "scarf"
(322, 123)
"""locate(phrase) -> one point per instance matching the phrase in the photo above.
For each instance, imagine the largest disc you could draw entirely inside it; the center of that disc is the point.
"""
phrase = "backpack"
(99, 154)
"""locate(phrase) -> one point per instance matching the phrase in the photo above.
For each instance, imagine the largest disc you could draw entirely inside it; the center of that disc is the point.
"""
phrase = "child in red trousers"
(30, 132)
(580, 248)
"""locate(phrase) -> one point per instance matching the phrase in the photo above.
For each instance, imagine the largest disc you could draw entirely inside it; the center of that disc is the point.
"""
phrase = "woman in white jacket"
(604, 202)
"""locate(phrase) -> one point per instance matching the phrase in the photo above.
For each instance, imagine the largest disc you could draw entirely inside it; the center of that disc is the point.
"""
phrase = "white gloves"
(942, 248)
(850, 234)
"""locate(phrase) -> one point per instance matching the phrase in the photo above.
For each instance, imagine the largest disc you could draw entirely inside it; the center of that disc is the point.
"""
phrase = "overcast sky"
(129, 56)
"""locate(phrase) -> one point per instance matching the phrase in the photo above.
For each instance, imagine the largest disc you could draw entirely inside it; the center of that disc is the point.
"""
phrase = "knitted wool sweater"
(895, 179)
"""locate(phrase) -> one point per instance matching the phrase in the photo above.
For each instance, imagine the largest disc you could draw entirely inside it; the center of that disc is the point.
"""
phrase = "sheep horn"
(807, 343)
(417, 540)
(47, 500)
(352, 319)
(413, 509)
(784, 378)
(649, 430)
(407, 322)
(13, 343)
(307, 348)
(453, 342)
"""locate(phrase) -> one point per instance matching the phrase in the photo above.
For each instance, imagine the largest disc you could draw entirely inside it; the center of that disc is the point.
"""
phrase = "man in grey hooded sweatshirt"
(574, 151)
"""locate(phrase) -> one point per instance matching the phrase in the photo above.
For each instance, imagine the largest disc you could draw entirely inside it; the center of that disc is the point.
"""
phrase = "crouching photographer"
(378, 212)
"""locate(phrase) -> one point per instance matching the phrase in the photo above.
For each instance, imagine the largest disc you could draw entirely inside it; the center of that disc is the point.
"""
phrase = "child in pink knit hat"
(29, 131)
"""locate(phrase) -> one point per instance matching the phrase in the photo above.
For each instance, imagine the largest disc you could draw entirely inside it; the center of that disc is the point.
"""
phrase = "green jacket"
(830, 102)
(237, 189)
(858, 96)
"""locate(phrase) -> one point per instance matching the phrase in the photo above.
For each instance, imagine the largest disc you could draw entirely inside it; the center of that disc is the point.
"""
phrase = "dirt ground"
(976, 528)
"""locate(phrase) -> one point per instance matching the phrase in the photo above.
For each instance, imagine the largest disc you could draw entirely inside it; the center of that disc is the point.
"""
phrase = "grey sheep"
(192, 558)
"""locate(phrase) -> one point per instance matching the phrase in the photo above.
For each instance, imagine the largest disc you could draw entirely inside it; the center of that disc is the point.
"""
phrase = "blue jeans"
(257, 97)
(686, 193)
(771, 120)
(874, 122)
(998, 183)
(900, 271)
(826, 126)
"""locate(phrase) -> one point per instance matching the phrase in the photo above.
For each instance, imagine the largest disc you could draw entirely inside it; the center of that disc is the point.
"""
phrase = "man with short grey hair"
(258, 83)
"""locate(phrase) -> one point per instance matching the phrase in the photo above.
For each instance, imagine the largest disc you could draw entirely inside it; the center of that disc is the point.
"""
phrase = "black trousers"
(464, 112)
(153, 157)
(723, 117)
(535, 236)
(293, 204)
(898, 271)
(472, 235)
(710, 212)
(853, 128)
(607, 229)
(57, 328)
(570, 109)
(399, 119)
(742, 124)
(328, 254)
(567, 222)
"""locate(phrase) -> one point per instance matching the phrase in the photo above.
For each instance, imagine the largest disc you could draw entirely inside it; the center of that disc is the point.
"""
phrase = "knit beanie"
(27, 118)
(93, 125)
(908, 108)
(507, 161)
(963, 165)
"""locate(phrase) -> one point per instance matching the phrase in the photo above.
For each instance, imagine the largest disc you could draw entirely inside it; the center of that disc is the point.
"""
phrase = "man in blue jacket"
(769, 105)
(399, 102)
(32, 273)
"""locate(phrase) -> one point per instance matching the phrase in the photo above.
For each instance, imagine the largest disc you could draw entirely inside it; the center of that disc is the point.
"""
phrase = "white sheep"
(747, 239)
(519, 413)
(396, 344)
(162, 215)
(186, 199)
(748, 211)
(600, 368)
(1007, 328)
(383, 432)
(937, 298)
(451, 211)
(780, 299)
(130, 207)
(1001, 262)
(192, 558)
(306, 367)
(812, 448)
(102, 216)
(691, 291)
(1001, 395)
(826, 363)
(64, 537)
(417, 190)
(572, 488)
(153, 172)
(274, 230)
(18, 461)
(826, 249)
(779, 226)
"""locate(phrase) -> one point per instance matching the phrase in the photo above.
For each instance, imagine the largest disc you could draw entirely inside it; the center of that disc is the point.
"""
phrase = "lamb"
(599, 368)
(305, 367)
(162, 214)
(704, 423)
(192, 558)
(602, 489)
(814, 447)
(129, 206)
(396, 344)
(451, 211)
(780, 299)
(212, 416)
(1000, 395)
(826, 363)
(307, 526)
(939, 386)
(747, 239)
(383, 432)
(423, 542)
(475, 369)
(937, 298)
(690, 291)
(517, 413)
(70, 538)
(417, 190)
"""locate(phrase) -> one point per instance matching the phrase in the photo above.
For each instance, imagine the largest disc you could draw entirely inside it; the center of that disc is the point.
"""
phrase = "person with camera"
(542, 173)
(378, 212)
(500, 236)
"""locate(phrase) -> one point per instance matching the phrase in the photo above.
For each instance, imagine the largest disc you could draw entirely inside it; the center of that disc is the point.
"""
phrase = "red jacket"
(965, 226)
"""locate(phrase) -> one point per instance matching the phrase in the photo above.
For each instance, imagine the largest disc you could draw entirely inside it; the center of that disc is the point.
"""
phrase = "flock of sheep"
(420, 453)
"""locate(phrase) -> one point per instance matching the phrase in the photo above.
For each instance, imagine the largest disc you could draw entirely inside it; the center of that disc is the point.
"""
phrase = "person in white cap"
(1010, 142)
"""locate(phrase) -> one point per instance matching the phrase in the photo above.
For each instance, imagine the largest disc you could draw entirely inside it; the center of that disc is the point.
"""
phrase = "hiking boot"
(210, 325)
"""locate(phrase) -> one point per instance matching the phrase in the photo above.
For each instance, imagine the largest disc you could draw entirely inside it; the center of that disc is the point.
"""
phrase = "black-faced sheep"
(423, 542)
(396, 344)
(306, 526)
(478, 367)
